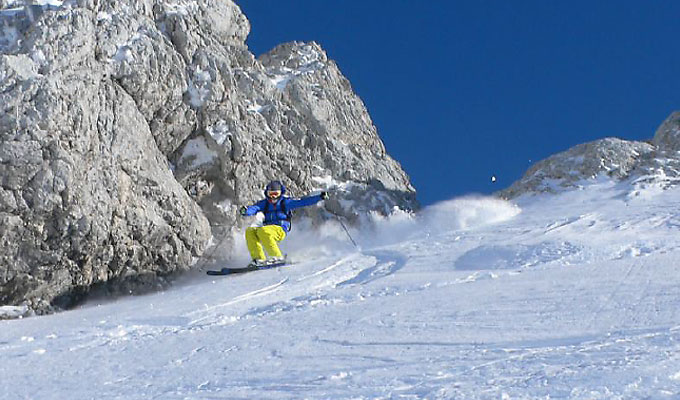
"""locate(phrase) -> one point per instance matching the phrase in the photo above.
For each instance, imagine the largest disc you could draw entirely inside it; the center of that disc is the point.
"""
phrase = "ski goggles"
(273, 194)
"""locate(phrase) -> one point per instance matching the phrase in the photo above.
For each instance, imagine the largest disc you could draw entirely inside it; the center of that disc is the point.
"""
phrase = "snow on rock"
(197, 153)
(23, 67)
(219, 132)
(567, 170)
(291, 60)
(102, 97)
(199, 87)
(646, 166)
(361, 203)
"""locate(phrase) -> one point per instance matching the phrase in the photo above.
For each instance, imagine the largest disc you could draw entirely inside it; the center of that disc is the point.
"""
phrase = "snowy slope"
(573, 296)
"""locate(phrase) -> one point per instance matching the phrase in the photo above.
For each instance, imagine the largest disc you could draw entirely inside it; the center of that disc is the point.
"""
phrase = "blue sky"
(461, 91)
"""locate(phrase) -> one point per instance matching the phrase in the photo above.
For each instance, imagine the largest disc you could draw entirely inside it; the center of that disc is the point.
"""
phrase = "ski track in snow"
(576, 297)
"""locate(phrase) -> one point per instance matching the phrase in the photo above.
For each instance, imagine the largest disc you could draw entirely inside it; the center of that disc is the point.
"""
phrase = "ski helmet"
(274, 187)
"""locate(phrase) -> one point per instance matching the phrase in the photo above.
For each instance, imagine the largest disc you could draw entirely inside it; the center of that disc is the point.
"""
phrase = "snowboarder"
(277, 215)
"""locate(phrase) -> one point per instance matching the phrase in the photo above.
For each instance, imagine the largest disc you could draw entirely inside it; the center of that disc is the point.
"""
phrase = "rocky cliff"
(641, 163)
(130, 131)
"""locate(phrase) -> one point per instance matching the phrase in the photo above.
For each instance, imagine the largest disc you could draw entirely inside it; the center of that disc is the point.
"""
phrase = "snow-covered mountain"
(569, 296)
(656, 162)
(131, 132)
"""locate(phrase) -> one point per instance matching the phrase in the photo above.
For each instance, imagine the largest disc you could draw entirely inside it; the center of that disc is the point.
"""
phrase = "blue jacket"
(275, 215)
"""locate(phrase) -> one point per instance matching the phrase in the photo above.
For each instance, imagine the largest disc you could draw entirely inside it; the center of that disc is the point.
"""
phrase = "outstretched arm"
(306, 201)
(251, 210)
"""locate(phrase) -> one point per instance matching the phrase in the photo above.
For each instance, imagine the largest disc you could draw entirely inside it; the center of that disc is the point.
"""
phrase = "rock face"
(667, 137)
(644, 163)
(131, 131)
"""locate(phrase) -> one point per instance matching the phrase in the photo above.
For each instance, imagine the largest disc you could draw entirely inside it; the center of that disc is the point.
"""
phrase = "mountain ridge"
(653, 162)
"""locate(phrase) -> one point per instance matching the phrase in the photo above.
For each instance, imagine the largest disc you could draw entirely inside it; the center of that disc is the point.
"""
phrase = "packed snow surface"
(572, 296)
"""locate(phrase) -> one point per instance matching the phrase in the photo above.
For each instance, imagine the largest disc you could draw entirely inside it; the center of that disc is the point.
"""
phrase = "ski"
(249, 268)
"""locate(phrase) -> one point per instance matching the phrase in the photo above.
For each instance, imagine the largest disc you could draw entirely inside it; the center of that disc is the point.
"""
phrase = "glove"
(243, 210)
(325, 196)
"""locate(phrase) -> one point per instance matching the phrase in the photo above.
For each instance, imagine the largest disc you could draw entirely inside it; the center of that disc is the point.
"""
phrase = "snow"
(13, 311)
(104, 16)
(567, 296)
(280, 81)
(327, 182)
(38, 57)
(22, 66)
(258, 108)
(225, 206)
(54, 3)
(41, 3)
(219, 132)
(199, 87)
(124, 51)
(196, 151)
(182, 7)
(310, 62)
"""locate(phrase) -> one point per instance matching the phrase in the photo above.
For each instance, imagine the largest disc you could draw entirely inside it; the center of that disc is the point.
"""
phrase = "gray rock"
(657, 162)
(667, 137)
(131, 131)
(289, 115)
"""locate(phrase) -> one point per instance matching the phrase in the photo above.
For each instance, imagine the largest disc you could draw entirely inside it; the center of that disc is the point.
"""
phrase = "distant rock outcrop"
(667, 137)
(657, 162)
(128, 128)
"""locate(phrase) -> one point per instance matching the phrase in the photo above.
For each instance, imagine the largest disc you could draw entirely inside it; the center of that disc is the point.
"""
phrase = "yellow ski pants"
(266, 236)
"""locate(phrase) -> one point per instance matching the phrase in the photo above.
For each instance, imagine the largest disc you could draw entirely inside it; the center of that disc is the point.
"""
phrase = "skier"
(277, 215)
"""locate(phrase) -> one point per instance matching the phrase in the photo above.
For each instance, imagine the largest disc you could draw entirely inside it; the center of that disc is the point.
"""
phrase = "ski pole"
(346, 231)
(343, 225)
